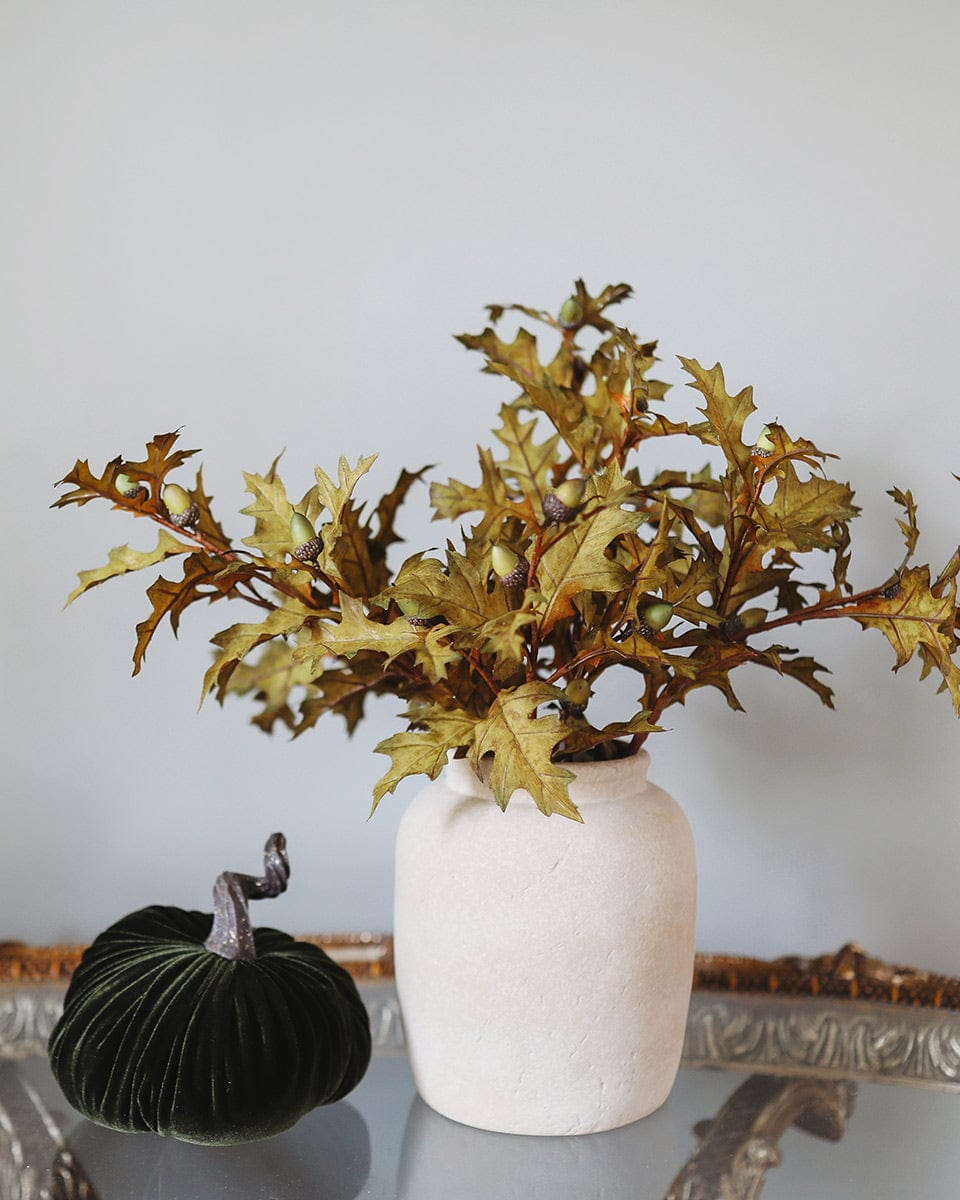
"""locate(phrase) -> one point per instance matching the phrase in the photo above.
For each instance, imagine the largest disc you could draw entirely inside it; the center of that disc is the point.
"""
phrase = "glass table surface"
(729, 1129)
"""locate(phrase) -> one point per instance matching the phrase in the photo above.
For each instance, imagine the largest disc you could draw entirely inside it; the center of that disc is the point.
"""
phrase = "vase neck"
(592, 782)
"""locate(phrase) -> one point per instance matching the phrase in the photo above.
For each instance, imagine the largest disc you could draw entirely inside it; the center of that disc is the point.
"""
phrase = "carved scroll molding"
(840, 1040)
(28, 1015)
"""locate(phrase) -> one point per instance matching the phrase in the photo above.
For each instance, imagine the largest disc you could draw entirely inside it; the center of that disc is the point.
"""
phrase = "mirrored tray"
(833, 1077)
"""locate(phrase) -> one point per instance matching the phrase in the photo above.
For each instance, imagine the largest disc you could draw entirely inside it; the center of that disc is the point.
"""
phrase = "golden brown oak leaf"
(915, 619)
(726, 414)
(204, 578)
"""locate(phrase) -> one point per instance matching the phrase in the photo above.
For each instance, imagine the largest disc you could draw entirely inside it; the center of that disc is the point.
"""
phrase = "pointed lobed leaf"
(271, 511)
(908, 526)
(204, 578)
(804, 514)
(580, 736)
(343, 689)
(86, 485)
(458, 594)
(917, 620)
(492, 498)
(271, 678)
(236, 642)
(336, 496)
(423, 751)
(522, 745)
(528, 462)
(123, 559)
(578, 561)
(390, 504)
(354, 633)
(726, 414)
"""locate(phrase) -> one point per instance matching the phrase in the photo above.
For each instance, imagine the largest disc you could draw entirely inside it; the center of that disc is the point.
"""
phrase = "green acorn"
(127, 487)
(510, 568)
(415, 614)
(764, 446)
(571, 313)
(654, 618)
(561, 505)
(181, 509)
(307, 545)
(576, 696)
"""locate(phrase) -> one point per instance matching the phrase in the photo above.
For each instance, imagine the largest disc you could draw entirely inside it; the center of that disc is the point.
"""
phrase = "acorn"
(561, 505)
(181, 509)
(510, 568)
(654, 617)
(576, 696)
(571, 313)
(127, 487)
(415, 614)
(744, 621)
(307, 545)
(764, 446)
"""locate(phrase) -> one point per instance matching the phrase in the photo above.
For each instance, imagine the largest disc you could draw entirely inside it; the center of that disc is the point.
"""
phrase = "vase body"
(544, 966)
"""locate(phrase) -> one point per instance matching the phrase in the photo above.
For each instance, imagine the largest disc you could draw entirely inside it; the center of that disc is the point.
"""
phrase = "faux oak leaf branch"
(576, 562)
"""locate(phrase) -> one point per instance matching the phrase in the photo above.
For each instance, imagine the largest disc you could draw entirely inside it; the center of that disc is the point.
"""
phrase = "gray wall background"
(263, 221)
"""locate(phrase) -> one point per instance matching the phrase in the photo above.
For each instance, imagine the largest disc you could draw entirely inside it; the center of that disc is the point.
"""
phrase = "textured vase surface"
(544, 967)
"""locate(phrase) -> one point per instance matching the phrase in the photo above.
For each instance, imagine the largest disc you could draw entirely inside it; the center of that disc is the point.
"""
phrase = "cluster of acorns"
(181, 510)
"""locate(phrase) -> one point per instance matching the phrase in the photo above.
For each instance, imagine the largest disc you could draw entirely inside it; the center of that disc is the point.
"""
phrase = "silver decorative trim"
(828, 1038)
(28, 1015)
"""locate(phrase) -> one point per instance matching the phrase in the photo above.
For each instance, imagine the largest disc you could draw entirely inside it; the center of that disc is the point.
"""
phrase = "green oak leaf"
(522, 744)
(458, 593)
(271, 511)
(492, 498)
(423, 751)
(239, 640)
(271, 678)
(122, 559)
(336, 496)
(354, 633)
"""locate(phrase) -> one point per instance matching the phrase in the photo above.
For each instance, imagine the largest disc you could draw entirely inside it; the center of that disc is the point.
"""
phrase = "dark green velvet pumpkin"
(161, 1033)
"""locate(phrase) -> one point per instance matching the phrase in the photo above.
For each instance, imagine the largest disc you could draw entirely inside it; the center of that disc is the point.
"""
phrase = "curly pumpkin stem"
(232, 934)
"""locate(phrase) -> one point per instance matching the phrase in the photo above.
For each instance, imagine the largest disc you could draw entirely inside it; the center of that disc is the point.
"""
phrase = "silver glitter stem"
(232, 934)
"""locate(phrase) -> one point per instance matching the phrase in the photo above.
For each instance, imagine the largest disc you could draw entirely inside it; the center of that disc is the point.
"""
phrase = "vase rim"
(593, 782)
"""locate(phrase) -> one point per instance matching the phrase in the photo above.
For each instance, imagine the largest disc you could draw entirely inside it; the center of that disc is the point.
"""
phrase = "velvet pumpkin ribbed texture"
(159, 1034)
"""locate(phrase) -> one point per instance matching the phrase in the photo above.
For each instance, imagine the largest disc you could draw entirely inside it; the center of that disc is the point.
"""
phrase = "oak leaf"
(122, 559)
(522, 744)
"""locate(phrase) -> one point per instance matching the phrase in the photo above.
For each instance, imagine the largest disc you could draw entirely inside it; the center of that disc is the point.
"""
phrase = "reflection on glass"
(441, 1158)
(326, 1156)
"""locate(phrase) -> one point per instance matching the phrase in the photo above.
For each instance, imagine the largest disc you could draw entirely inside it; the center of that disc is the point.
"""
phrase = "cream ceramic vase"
(544, 967)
